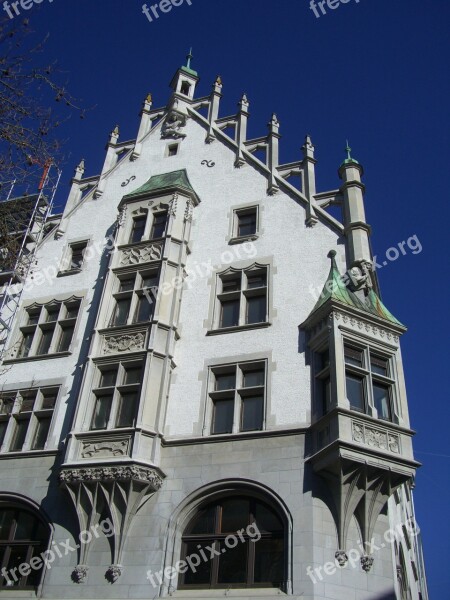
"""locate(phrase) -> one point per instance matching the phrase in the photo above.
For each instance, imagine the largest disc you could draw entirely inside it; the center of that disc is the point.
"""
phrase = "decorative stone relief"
(377, 331)
(127, 181)
(172, 126)
(113, 573)
(121, 217)
(80, 573)
(367, 562)
(341, 557)
(124, 343)
(142, 254)
(105, 449)
(377, 438)
(173, 205)
(103, 474)
(188, 213)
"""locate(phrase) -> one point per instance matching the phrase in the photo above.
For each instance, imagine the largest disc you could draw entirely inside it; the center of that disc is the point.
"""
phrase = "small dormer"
(185, 79)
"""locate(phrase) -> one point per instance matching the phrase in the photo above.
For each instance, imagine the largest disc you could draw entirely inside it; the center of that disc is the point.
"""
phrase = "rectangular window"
(77, 252)
(368, 382)
(135, 298)
(27, 415)
(49, 329)
(172, 150)
(138, 229)
(237, 397)
(243, 298)
(117, 395)
(159, 225)
(322, 393)
(245, 223)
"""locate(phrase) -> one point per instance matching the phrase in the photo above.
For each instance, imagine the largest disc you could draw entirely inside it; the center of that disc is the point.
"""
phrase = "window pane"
(204, 522)
(19, 434)
(269, 561)
(6, 521)
(26, 526)
(49, 398)
(108, 377)
(355, 392)
(382, 401)
(122, 311)
(353, 356)
(145, 309)
(230, 313)
(225, 381)
(133, 375)
(25, 346)
(28, 400)
(66, 338)
(17, 557)
(41, 434)
(102, 411)
(159, 225)
(223, 416)
(254, 378)
(3, 427)
(256, 309)
(126, 414)
(72, 311)
(266, 519)
(52, 314)
(33, 317)
(253, 413)
(46, 340)
(233, 564)
(231, 285)
(6, 405)
(235, 514)
(77, 256)
(138, 229)
(202, 576)
(379, 365)
(246, 223)
(324, 394)
(149, 281)
(256, 281)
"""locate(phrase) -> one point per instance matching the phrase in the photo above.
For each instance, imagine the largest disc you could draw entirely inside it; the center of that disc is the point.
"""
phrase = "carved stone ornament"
(189, 212)
(122, 473)
(376, 331)
(172, 126)
(142, 254)
(124, 343)
(377, 438)
(113, 573)
(80, 573)
(128, 181)
(341, 557)
(105, 449)
(367, 562)
(360, 276)
(121, 217)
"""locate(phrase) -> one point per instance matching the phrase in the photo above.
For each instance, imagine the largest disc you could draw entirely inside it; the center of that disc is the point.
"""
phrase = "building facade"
(202, 393)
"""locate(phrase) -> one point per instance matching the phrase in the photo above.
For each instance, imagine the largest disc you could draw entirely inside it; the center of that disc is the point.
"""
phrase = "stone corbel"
(119, 491)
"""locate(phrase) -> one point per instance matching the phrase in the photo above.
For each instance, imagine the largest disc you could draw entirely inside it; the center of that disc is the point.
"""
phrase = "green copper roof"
(167, 181)
(189, 71)
(335, 289)
(376, 307)
(349, 160)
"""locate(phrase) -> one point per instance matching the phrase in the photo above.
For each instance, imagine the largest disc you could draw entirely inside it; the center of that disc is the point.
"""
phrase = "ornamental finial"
(189, 57)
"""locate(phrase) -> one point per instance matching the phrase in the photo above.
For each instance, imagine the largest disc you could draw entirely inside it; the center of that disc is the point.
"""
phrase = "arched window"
(23, 537)
(236, 541)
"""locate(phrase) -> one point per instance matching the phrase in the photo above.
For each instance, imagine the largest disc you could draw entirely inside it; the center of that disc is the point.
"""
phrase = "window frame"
(116, 391)
(21, 412)
(371, 379)
(215, 537)
(9, 545)
(237, 395)
(243, 296)
(135, 296)
(235, 237)
(35, 329)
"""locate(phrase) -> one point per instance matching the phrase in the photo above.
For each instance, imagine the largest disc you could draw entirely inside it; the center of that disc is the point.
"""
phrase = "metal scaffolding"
(25, 219)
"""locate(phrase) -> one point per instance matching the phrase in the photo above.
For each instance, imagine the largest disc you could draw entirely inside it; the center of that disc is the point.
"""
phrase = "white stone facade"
(337, 480)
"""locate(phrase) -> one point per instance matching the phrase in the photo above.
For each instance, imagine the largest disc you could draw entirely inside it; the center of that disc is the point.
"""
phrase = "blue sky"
(375, 72)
